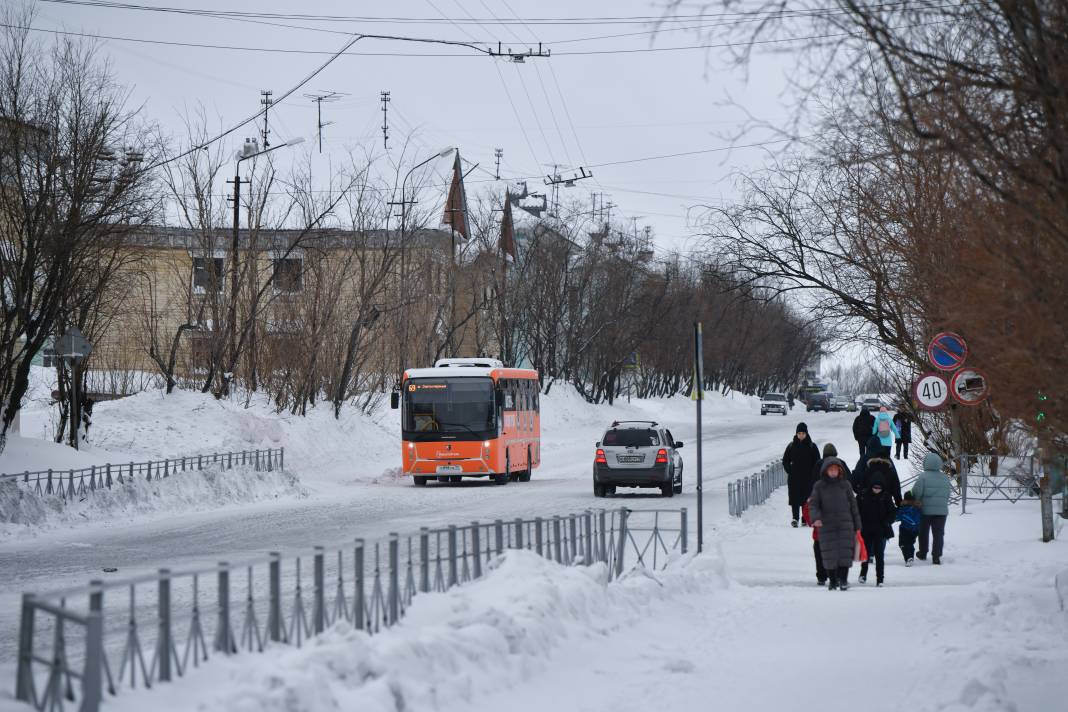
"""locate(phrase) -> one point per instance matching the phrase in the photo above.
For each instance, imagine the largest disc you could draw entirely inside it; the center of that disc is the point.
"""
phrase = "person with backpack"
(798, 460)
(909, 515)
(833, 510)
(876, 461)
(903, 421)
(876, 516)
(932, 489)
(884, 427)
(862, 426)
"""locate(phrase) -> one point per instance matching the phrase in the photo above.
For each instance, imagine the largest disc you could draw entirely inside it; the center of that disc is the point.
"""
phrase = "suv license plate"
(449, 469)
(630, 458)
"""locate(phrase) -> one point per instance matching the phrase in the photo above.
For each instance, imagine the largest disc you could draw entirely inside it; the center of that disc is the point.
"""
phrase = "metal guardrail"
(78, 645)
(75, 484)
(985, 478)
(755, 489)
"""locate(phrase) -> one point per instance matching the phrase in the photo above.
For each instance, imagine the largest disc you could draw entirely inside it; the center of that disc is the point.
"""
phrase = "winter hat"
(801, 428)
(833, 461)
(829, 450)
(908, 497)
(932, 462)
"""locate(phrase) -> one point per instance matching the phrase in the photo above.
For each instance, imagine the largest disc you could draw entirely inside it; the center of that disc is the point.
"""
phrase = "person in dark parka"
(877, 459)
(903, 421)
(800, 457)
(877, 514)
(829, 450)
(833, 508)
(862, 426)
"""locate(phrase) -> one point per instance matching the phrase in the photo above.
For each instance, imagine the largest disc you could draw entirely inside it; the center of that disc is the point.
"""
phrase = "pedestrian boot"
(843, 578)
(794, 524)
(936, 560)
(832, 582)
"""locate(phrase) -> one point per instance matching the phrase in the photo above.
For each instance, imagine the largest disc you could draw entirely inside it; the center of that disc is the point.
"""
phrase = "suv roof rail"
(620, 422)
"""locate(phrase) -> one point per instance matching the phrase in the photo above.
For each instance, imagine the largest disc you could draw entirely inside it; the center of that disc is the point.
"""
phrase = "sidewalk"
(982, 632)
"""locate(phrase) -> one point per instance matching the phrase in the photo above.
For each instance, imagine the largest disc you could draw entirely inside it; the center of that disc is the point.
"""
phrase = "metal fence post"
(223, 634)
(92, 673)
(107, 471)
(602, 520)
(573, 526)
(476, 546)
(24, 674)
(394, 578)
(588, 548)
(537, 535)
(557, 552)
(359, 611)
(453, 571)
(319, 611)
(274, 613)
(682, 529)
(518, 533)
(498, 531)
(424, 560)
(281, 459)
(623, 513)
(164, 642)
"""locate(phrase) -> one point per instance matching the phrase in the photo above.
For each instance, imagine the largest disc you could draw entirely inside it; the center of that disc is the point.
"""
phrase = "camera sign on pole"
(969, 386)
(931, 391)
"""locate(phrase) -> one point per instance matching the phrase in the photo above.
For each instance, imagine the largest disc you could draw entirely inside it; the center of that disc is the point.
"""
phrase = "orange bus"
(469, 417)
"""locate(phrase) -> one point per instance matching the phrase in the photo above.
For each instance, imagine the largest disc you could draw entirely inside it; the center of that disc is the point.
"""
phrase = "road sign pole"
(698, 381)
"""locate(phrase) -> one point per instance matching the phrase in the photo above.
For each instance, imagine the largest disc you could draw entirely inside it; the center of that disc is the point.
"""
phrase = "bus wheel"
(501, 479)
(420, 481)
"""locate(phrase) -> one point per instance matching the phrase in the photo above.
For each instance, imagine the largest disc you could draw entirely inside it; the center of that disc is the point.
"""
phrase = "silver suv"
(637, 453)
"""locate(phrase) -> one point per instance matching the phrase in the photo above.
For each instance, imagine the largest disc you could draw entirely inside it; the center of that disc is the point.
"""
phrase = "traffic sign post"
(931, 392)
(73, 346)
(947, 351)
(969, 386)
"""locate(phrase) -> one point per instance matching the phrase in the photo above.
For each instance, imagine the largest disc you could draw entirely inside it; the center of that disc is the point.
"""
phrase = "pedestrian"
(790, 400)
(862, 426)
(806, 514)
(876, 518)
(876, 460)
(932, 489)
(798, 460)
(884, 427)
(909, 515)
(833, 509)
(903, 421)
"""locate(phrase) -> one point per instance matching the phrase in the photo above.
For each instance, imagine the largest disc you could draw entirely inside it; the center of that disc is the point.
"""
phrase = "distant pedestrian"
(821, 573)
(903, 421)
(884, 427)
(798, 460)
(932, 489)
(876, 461)
(862, 426)
(829, 450)
(909, 515)
(790, 400)
(876, 517)
(833, 509)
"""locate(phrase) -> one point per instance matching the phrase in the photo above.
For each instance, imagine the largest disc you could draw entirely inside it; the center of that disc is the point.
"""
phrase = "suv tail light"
(600, 459)
(661, 456)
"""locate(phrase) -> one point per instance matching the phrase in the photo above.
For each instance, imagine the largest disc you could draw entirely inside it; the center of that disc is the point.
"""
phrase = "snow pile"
(27, 454)
(449, 649)
(22, 511)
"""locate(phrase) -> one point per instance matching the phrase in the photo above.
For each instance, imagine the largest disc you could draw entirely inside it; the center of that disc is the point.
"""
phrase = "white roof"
(464, 372)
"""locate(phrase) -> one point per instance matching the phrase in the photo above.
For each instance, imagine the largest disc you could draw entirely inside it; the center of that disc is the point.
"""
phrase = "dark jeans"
(796, 509)
(901, 445)
(932, 523)
(821, 573)
(906, 540)
(863, 445)
(876, 546)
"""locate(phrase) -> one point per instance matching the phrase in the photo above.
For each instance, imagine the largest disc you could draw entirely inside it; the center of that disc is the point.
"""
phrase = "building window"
(288, 275)
(207, 274)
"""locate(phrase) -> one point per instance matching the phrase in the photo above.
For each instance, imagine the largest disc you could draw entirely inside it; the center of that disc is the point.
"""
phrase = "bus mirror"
(394, 400)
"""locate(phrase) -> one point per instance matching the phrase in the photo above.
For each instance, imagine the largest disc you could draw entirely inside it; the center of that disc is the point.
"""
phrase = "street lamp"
(251, 149)
(404, 193)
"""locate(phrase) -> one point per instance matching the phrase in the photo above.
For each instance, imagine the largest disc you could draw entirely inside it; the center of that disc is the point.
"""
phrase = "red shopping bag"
(860, 552)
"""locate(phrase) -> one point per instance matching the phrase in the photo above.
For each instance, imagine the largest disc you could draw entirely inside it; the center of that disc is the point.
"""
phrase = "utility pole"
(385, 119)
(319, 98)
(497, 153)
(266, 101)
(698, 387)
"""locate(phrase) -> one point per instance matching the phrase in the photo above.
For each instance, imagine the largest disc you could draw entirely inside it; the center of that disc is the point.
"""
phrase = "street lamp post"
(249, 150)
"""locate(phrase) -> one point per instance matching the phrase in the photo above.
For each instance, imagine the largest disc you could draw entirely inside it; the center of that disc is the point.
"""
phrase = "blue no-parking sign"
(947, 351)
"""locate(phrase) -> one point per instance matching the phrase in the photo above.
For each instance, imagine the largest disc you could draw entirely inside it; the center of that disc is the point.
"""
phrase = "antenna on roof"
(319, 98)
(385, 119)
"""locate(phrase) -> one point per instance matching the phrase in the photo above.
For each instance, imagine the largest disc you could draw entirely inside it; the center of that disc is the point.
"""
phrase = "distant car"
(637, 453)
(872, 404)
(819, 401)
(840, 404)
(774, 403)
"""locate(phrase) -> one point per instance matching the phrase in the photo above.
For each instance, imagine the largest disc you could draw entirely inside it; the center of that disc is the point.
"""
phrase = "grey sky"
(622, 106)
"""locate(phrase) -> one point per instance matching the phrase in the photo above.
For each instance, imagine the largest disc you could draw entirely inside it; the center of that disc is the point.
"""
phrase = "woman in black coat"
(799, 459)
(833, 508)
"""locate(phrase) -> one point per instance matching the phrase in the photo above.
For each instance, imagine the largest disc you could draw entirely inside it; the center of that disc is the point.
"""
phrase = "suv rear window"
(631, 437)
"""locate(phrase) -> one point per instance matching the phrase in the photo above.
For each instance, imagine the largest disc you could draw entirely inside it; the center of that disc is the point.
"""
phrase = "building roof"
(323, 238)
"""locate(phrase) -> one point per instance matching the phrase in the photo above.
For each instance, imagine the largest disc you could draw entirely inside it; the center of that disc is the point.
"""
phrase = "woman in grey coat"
(833, 508)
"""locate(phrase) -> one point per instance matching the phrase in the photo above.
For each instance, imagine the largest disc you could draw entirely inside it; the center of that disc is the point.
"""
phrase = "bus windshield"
(456, 408)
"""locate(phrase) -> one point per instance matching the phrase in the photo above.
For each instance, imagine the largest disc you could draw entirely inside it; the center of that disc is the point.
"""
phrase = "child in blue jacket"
(885, 428)
(909, 515)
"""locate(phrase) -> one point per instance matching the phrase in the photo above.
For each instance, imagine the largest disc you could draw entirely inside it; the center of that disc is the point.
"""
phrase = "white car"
(773, 403)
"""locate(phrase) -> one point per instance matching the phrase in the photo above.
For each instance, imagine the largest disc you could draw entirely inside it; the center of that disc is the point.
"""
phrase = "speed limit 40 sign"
(931, 392)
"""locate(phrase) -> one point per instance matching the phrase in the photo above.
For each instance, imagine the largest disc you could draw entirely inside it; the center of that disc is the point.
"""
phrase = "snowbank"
(449, 649)
(22, 511)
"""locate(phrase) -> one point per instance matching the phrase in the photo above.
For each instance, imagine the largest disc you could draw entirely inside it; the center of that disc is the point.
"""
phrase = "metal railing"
(79, 645)
(75, 484)
(755, 489)
(985, 478)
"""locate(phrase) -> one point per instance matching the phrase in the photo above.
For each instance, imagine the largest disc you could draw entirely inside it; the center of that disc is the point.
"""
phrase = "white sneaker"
(908, 562)
(863, 579)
